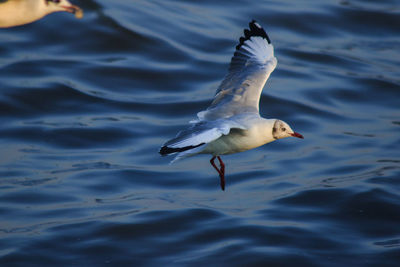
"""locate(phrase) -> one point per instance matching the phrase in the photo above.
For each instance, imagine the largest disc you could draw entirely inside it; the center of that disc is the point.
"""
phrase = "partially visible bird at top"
(20, 12)
(232, 123)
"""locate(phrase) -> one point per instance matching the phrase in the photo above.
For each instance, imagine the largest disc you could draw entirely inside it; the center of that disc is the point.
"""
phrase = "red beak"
(297, 135)
(74, 10)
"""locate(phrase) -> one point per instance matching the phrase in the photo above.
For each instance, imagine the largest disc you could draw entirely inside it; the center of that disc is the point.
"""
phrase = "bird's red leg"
(215, 166)
(222, 165)
(221, 171)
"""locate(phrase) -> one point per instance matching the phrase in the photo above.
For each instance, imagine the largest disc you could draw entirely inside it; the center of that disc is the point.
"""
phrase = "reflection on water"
(84, 108)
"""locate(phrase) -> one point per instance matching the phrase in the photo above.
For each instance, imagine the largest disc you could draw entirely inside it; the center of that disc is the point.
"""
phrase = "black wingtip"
(255, 29)
(165, 150)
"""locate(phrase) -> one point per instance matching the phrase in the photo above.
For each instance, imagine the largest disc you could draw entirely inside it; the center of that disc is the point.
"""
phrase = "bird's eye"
(54, 1)
(283, 129)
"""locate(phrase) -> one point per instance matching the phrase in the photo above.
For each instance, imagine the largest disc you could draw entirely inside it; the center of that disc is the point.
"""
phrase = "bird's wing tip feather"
(255, 29)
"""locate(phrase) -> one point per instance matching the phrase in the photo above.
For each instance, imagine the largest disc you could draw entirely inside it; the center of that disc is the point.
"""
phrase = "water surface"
(85, 105)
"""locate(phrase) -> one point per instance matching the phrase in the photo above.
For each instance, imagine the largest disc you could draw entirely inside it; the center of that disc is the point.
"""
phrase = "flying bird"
(232, 123)
(20, 12)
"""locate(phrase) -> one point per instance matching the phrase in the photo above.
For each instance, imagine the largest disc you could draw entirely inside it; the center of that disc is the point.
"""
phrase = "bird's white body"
(258, 133)
(20, 12)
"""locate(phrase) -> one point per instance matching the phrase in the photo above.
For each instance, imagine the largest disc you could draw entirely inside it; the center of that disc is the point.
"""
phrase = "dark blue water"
(85, 105)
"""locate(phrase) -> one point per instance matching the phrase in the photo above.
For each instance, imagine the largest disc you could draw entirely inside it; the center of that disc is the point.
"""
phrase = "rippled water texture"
(85, 105)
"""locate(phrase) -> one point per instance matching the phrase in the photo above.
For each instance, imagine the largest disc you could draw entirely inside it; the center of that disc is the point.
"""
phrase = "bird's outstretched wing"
(249, 69)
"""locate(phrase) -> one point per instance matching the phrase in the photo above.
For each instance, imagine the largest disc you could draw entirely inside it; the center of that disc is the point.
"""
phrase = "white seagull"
(232, 123)
(20, 12)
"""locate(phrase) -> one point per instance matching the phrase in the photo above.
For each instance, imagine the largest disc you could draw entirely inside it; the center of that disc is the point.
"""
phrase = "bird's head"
(62, 5)
(281, 130)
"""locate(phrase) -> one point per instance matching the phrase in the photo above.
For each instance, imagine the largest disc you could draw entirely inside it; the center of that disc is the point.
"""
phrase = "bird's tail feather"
(188, 153)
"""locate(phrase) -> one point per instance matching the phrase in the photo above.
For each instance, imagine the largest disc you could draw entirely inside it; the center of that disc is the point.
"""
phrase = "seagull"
(232, 123)
(20, 12)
